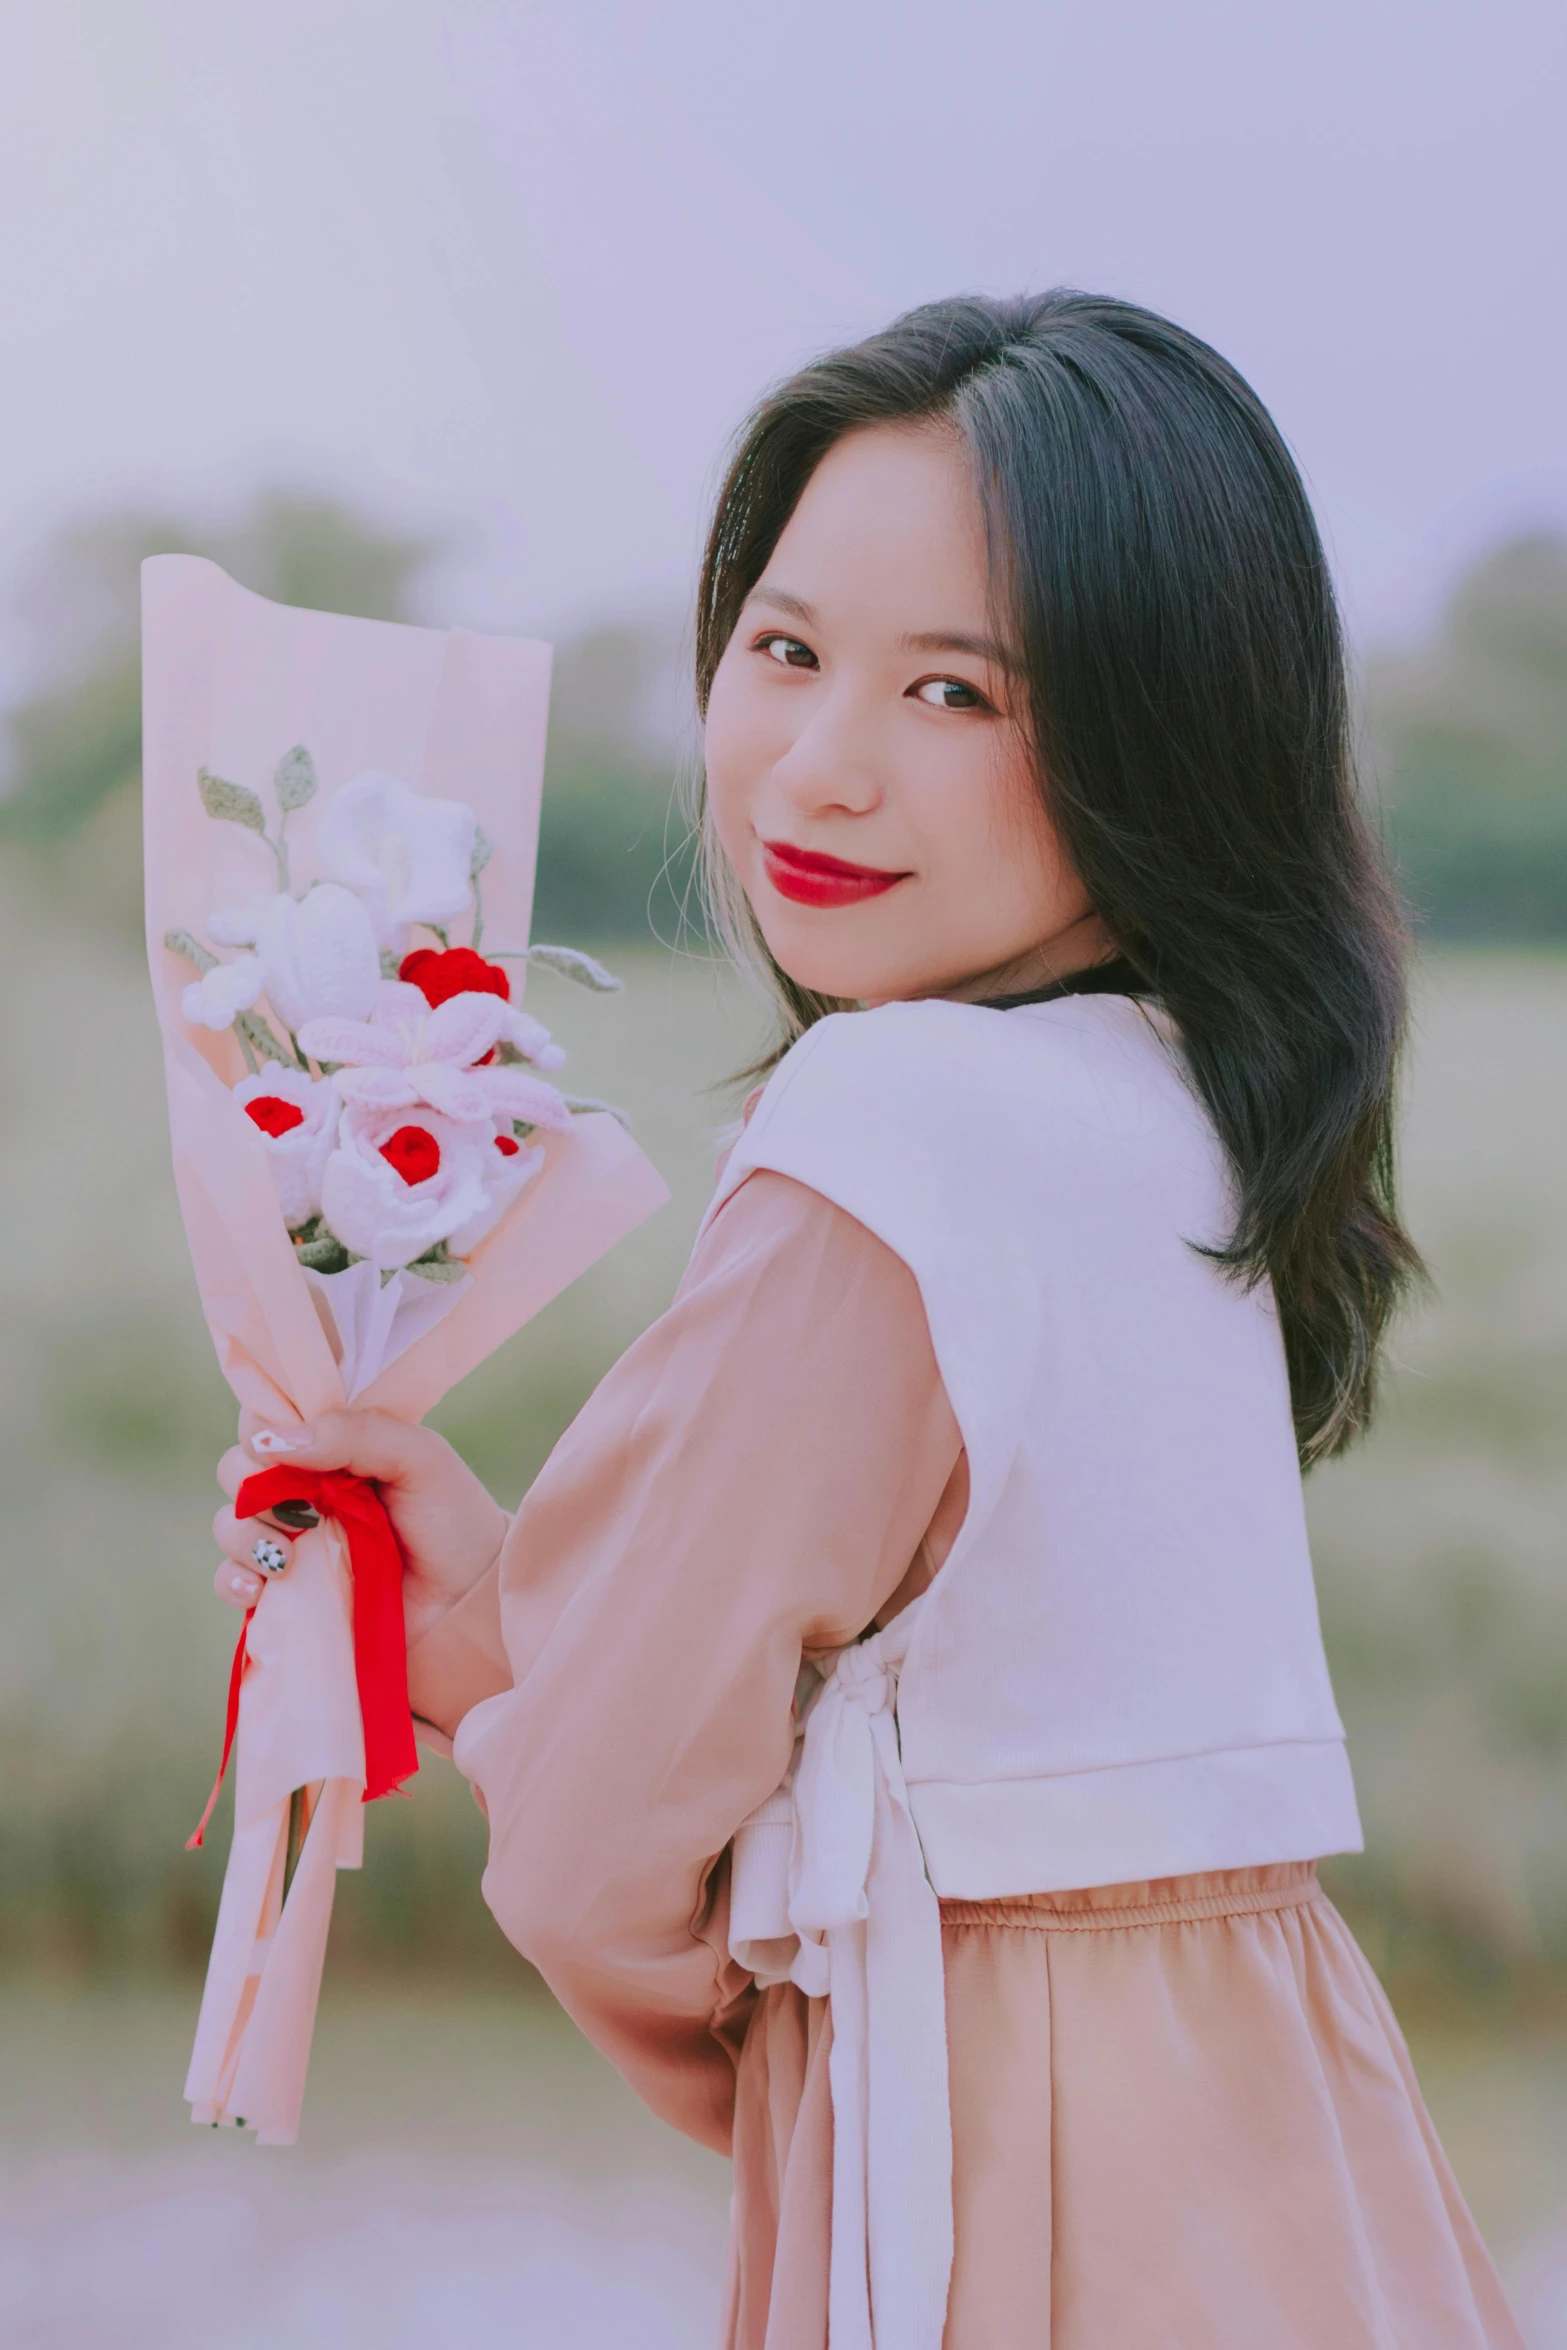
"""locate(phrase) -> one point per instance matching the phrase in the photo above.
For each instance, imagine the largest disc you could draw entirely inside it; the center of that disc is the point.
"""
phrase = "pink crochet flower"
(296, 1116)
(396, 1185)
(407, 1053)
(507, 1166)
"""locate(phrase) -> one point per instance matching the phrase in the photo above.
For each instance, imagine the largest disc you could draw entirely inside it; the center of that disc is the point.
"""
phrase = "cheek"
(994, 854)
(1021, 829)
(1029, 848)
(736, 756)
(980, 810)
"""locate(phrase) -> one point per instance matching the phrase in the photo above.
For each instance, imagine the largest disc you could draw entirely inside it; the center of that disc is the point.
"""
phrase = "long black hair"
(1155, 562)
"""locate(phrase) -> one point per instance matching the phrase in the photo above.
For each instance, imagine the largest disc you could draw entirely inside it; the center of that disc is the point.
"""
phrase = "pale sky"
(520, 265)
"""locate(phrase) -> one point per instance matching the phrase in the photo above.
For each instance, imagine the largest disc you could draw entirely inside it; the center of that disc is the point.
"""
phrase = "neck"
(1076, 948)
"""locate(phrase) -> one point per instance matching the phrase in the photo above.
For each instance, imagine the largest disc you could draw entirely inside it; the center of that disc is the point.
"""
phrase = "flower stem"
(253, 1030)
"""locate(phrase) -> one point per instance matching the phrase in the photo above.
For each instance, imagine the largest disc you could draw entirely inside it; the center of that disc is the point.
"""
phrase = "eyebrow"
(980, 648)
(782, 601)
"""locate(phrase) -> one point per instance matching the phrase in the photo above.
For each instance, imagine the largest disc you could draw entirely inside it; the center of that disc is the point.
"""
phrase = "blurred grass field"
(1440, 1548)
(472, 2176)
(1440, 1542)
(112, 1414)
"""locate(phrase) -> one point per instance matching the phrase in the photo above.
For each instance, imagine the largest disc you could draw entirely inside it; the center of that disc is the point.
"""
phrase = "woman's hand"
(450, 1528)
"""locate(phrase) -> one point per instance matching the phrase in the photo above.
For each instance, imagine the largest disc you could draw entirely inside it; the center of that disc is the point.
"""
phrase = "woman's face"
(867, 773)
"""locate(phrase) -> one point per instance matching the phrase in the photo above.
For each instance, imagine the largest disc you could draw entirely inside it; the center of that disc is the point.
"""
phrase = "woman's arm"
(751, 1481)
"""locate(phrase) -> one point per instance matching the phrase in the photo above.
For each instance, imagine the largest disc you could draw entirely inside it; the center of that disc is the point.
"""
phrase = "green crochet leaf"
(581, 1106)
(571, 963)
(294, 779)
(324, 1253)
(483, 851)
(438, 1266)
(180, 942)
(230, 802)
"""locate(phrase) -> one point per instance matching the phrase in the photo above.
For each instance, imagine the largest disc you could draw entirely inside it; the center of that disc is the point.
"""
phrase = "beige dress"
(1183, 2115)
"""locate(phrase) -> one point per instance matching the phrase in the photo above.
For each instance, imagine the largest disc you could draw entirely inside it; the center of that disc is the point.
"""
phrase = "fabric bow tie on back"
(829, 1891)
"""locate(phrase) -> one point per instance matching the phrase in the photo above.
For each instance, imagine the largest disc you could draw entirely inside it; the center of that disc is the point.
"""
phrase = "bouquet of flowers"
(379, 1180)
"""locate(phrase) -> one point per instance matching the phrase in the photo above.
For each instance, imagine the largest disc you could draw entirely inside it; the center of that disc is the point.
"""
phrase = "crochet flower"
(439, 975)
(406, 1055)
(396, 1185)
(228, 988)
(507, 1167)
(296, 1116)
(410, 858)
(318, 952)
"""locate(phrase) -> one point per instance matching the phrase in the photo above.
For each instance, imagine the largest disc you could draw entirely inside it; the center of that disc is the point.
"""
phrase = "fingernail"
(242, 1585)
(273, 1440)
(295, 1517)
(269, 1556)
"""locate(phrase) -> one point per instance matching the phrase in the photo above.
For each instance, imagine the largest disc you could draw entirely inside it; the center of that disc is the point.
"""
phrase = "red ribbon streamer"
(375, 1563)
(230, 1725)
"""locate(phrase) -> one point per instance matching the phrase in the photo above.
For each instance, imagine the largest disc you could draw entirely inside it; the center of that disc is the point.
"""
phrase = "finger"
(238, 1586)
(277, 1423)
(235, 1466)
(290, 1517)
(252, 1544)
(366, 1444)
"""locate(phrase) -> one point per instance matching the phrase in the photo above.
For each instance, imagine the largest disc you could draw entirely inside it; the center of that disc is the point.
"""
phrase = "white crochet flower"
(296, 1116)
(409, 857)
(318, 952)
(508, 1166)
(228, 988)
(406, 1054)
(533, 1040)
(396, 1184)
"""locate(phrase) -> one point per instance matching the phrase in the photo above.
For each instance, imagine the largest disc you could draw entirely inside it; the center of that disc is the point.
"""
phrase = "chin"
(825, 969)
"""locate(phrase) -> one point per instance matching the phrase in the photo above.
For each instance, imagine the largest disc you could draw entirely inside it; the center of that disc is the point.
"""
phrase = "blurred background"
(444, 313)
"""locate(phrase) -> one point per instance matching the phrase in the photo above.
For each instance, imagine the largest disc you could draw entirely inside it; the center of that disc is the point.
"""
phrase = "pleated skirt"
(1184, 2118)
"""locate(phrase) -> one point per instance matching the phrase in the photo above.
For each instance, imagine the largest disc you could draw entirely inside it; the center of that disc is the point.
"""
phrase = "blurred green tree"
(1469, 744)
(77, 740)
(615, 856)
(612, 864)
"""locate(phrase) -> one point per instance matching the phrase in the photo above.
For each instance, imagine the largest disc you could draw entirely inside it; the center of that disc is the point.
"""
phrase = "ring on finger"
(269, 1556)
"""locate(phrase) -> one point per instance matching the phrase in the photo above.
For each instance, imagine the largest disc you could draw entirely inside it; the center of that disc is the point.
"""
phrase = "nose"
(832, 767)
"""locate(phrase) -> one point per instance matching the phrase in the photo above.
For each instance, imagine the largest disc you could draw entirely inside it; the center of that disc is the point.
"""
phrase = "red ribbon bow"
(375, 1563)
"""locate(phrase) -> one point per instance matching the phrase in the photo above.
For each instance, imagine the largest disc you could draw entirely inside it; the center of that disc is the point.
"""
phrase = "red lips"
(810, 879)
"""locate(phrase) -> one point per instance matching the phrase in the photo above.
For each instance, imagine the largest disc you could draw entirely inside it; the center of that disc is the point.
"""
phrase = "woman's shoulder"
(1036, 1076)
(935, 1118)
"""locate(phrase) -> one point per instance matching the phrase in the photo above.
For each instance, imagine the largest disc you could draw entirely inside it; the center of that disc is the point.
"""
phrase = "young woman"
(899, 1704)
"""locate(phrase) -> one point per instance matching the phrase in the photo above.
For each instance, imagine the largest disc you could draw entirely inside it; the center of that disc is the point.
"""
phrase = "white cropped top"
(1118, 1673)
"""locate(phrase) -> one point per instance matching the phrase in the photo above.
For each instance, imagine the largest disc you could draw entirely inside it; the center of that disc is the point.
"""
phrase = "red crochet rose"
(441, 973)
(413, 1152)
(273, 1115)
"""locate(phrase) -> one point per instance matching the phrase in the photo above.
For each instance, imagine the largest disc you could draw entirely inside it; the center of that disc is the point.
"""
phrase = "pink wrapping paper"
(230, 682)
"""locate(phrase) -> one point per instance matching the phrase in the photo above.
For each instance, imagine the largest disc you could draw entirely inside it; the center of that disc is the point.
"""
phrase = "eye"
(948, 693)
(787, 651)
